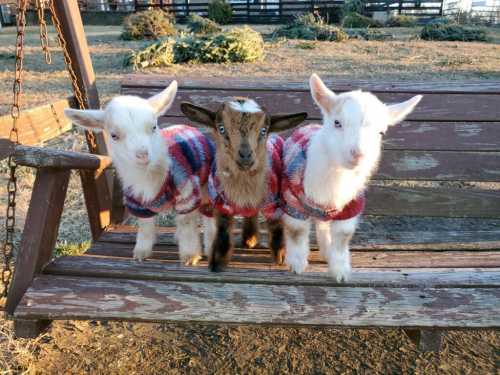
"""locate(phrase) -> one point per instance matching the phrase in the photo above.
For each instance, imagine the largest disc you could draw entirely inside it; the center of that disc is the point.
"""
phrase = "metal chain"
(44, 39)
(80, 98)
(10, 220)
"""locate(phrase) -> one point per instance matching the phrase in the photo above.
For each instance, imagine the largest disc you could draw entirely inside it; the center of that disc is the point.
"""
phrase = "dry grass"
(90, 347)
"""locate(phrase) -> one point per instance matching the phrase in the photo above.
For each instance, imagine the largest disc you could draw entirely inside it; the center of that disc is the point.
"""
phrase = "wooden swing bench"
(423, 281)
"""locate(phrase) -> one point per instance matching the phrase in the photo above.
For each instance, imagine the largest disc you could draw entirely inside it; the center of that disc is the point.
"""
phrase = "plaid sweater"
(191, 154)
(294, 201)
(271, 206)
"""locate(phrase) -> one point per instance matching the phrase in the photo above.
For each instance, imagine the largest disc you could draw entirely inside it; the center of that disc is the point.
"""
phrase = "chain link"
(81, 98)
(10, 220)
(44, 39)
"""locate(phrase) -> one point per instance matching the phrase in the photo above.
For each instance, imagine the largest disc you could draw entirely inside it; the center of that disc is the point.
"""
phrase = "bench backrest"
(453, 137)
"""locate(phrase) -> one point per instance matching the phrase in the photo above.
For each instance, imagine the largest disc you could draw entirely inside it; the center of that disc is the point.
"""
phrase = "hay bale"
(238, 45)
(355, 20)
(453, 32)
(310, 27)
(149, 24)
(201, 25)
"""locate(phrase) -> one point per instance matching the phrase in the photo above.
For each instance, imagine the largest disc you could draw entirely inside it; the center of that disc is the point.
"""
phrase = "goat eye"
(263, 131)
(222, 129)
(114, 136)
(382, 134)
(337, 124)
(155, 127)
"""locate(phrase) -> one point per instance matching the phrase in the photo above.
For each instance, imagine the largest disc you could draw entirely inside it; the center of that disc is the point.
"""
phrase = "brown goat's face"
(242, 129)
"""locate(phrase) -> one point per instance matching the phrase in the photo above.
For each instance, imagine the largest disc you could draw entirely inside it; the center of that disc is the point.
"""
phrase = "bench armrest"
(40, 157)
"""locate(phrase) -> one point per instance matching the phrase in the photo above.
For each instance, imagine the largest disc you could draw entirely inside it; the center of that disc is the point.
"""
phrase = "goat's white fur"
(129, 124)
(248, 106)
(333, 176)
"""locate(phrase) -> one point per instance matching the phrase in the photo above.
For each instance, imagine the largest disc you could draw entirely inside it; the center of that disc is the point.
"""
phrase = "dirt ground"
(92, 347)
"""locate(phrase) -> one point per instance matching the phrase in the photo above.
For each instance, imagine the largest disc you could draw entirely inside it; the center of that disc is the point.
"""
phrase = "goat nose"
(245, 154)
(356, 154)
(142, 154)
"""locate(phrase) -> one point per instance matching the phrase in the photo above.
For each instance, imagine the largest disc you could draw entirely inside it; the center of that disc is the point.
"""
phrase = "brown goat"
(241, 129)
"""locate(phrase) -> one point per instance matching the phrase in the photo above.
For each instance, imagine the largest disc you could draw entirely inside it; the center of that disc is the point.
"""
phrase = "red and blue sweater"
(191, 156)
(271, 205)
(294, 201)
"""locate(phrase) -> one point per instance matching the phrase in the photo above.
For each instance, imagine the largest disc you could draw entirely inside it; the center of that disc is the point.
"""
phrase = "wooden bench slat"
(261, 258)
(433, 107)
(432, 202)
(423, 136)
(40, 124)
(62, 297)
(372, 240)
(251, 83)
(316, 274)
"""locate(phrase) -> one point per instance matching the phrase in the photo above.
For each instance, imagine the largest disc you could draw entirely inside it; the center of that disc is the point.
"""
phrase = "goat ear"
(321, 94)
(397, 112)
(162, 101)
(91, 119)
(198, 114)
(288, 121)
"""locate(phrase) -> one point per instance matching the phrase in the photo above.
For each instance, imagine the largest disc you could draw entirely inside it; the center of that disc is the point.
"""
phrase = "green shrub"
(201, 25)
(238, 45)
(353, 6)
(402, 21)
(308, 27)
(150, 24)
(220, 11)
(453, 32)
(439, 21)
(354, 20)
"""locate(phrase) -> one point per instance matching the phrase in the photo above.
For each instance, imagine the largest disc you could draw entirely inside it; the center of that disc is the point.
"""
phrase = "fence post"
(187, 8)
(400, 7)
(248, 11)
(281, 10)
(441, 8)
(161, 4)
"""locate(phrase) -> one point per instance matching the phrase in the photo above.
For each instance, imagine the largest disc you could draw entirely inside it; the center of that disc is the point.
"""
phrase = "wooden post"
(187, 8)
(281, 10)
(426, 340)
(248, 11)
(69, 16)
(39, 234)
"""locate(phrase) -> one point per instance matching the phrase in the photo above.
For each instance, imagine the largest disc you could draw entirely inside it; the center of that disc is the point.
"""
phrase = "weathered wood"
(432, 202)
(422, 135)
(276, 84)
(98, 205)
(6, 148)
(101, 267)
(362, 240)
(118, 210)
(360, 259)
(29, 329)
(433, 107)
(38, 125)
(61, 297)
(40, 157)
(70, 19)
(40, 230)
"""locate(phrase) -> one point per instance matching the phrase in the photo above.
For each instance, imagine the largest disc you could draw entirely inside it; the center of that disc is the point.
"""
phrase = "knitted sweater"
(191, 155)
(270, 206)
(294, 201)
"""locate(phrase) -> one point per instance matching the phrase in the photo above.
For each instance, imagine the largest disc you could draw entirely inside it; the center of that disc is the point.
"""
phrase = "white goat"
(156, 172)
(326, 170)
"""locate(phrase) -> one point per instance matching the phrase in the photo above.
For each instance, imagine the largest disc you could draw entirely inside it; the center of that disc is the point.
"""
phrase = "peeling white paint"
(468, 130)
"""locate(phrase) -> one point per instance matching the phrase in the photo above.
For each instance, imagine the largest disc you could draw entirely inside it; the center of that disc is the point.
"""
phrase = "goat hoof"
(141, 254)
(279, 256)
(192, 261)
(341, 272)
(251, 242)
(215, 267)
(296, 264)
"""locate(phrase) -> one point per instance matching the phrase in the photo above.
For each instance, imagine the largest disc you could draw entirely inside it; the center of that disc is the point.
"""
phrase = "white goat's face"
(130, 125)
(356, 122)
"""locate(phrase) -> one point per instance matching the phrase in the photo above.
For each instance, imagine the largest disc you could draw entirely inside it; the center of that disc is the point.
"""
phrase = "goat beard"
(243, 188)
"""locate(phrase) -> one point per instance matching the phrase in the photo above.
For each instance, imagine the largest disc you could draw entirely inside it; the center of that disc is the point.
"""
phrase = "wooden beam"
(39, 157)
(69, 16)
(40, 230)
(29, 329)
